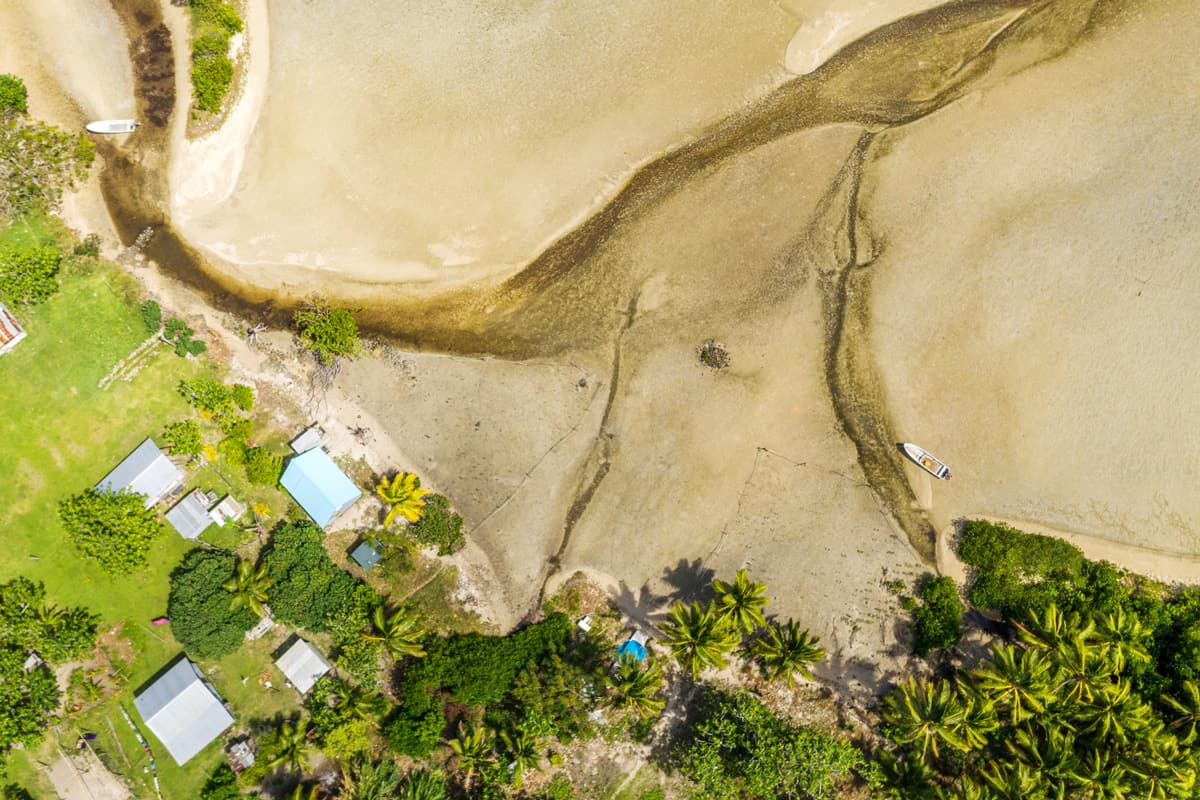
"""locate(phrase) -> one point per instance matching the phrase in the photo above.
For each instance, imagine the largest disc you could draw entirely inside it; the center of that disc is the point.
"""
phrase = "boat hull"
(112, 126)
(926, 460)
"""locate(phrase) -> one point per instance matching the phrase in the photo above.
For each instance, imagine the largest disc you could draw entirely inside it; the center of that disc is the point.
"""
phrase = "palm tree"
(636, 688)
(1113, 714)
(370, 781)
(1126, 638)
(249, 587)
(309, 792)
(926, 715)
(290, 747)
(1047, 630)
(424, 785)
(1097, 778)
(399, 633)
(742, 601)
(1018, 681)
(698, 637)
(523, 750)
(472, 749)
(1083, 666)
(905, 778)
(785, 651)
(1010, 781)
(1050, 751)
(403, 495)
(355, 702)
(1188, 711)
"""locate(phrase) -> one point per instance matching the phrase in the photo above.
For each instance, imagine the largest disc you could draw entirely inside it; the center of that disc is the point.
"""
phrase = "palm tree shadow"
(641, 606)
(691, 580)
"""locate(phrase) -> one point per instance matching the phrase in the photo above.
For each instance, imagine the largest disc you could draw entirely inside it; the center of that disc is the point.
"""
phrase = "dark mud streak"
(850, 374)
(583, 498)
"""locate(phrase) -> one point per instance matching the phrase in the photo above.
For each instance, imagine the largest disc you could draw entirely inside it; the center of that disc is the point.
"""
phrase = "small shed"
(365, 555)
(146, 471)
(321, 489)
(183, 710)
(226, 510)
(190, 515)
(312, 437)
(11, 331)
(303, 665)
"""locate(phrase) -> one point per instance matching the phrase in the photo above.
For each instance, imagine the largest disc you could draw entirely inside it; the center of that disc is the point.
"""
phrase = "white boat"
(113, 126)
(926, 460)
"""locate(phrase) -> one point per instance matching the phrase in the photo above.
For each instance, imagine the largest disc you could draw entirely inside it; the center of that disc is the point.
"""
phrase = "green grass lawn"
(60, 434)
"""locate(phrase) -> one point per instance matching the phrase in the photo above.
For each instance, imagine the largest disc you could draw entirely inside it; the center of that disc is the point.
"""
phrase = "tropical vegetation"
(329, 332)
(307, 587)
(115, 530)
(214, 22)
(206, 618)
(403, 495)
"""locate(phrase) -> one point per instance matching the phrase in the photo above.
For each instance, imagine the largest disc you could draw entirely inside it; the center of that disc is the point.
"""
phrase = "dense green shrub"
(38, 162)
(13, 94)
(263, 467)
(308, 586)
(114, 530)
(152, 316)
(1016, 572)
(439, 526)
(220, 14)
(211, 78)
(216, 400)
(242, 396)
(89, 247)
(221, 785)
(200, 610)
(473, 669)
(27, 274)
(328, 331)
(58, 635)
(27, 698)
(183, 438)
(234, 451)
(938, 621)
(737, 747)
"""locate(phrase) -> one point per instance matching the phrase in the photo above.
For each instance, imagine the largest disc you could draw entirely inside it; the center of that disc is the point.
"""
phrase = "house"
(365, 555)
(183, 710)
(146, 471)
(316, 483)
(11, 331)
(199, 509)
(302, 665)
(190, 515)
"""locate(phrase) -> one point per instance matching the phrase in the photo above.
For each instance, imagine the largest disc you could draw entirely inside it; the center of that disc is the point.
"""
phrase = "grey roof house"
(303, 665)
(190, 515)
(183, 710)
(146, 471)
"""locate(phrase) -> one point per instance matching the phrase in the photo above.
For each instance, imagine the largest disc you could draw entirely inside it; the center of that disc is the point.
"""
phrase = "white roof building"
(11, 331)
(183, 710)
(302, 665)
(145, 471)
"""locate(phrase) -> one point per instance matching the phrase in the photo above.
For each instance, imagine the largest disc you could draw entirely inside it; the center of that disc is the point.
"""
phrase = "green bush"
(234, 451)
(308, 586)
(217, 13)
(211, 44)
(13, 94)
(152, 316)
(183, 438)
(263, 467)
(114, 530)
(439, 526)
(242, 396)
(27, 274)
(472, 669)
(221, 785)
(211, 77)
(38, 162)
(939, 618)
(329, 332)
(89, 247)
(200, 610)
(216, 400)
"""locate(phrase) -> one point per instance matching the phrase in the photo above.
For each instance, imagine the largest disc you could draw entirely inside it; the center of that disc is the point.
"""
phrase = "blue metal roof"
(632, 648)
(316, 483)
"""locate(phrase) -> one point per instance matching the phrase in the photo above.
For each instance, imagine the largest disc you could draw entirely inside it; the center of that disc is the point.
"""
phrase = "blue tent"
(632, 648)
(321, 489)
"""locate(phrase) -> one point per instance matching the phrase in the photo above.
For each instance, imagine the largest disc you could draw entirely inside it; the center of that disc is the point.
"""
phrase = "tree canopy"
(27, 274)
(114, 530)
(308, 586)
(38, 162)
(27, 621)
(328, 331)
(203, 617)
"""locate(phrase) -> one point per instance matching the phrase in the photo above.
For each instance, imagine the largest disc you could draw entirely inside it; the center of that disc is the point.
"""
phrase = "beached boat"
(113, 126)
(926, 461)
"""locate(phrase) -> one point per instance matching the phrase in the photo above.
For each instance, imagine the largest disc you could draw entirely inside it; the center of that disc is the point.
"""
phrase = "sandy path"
(1158, 564)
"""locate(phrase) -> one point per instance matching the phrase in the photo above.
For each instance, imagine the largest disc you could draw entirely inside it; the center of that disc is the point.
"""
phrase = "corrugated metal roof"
(190, 516)
(317, 484)
(183, 711)
(365, 555)
(145, 471)
(11, 331)
(302, 665)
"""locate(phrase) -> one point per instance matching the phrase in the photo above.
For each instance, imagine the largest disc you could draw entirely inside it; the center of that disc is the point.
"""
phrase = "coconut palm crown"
(403, 495)
(742, 601)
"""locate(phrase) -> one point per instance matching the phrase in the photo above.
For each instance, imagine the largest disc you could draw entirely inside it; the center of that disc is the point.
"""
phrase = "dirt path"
(1153, 563)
